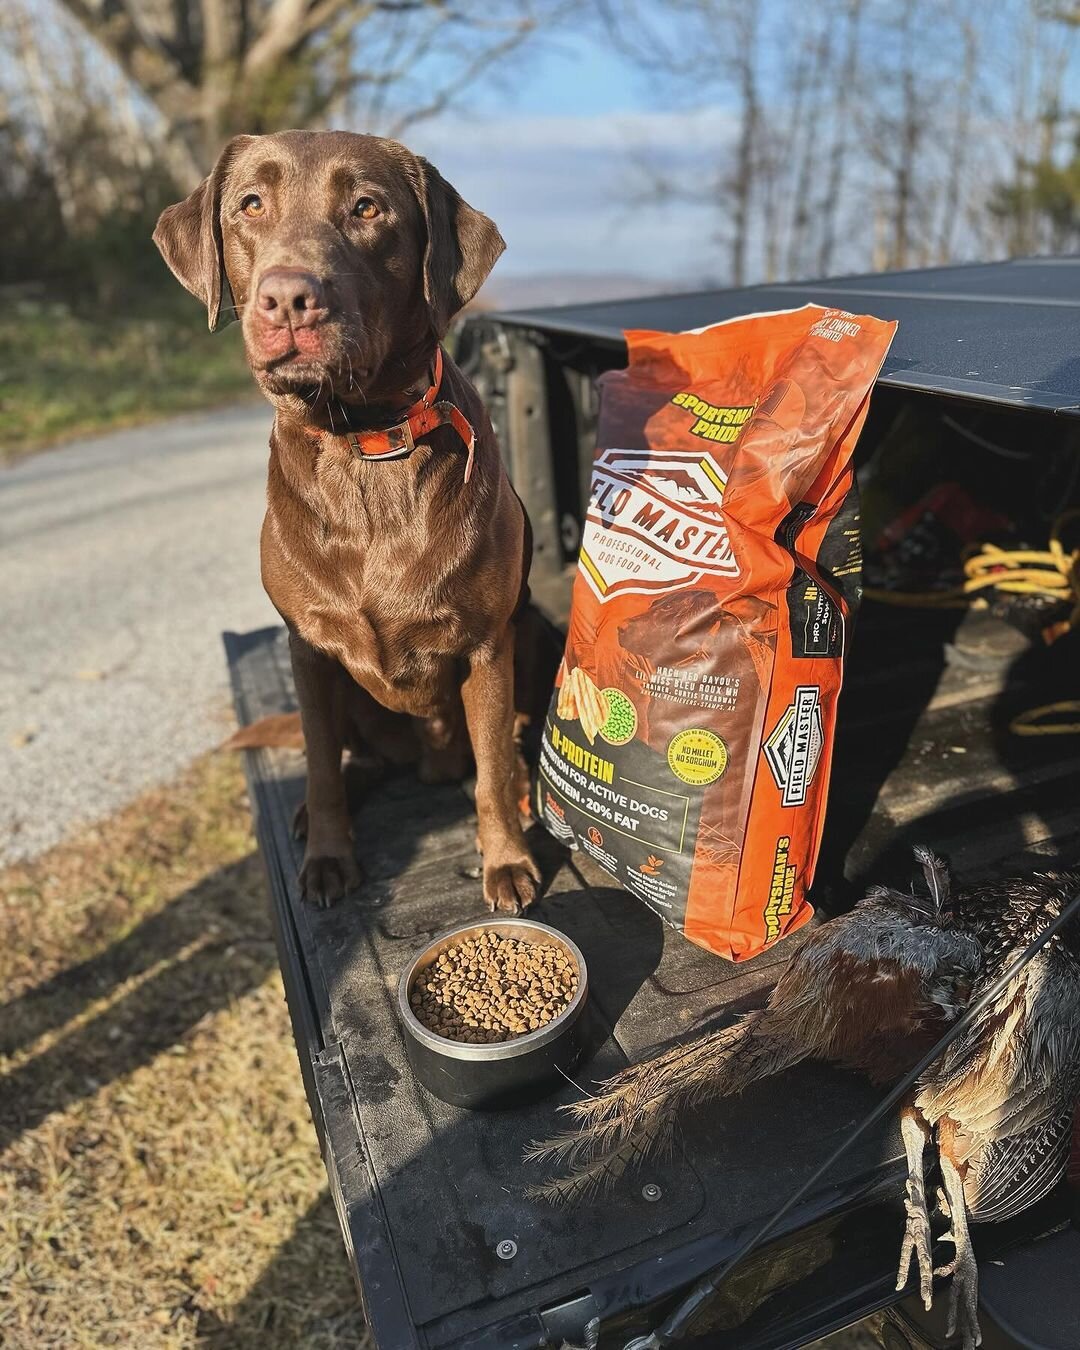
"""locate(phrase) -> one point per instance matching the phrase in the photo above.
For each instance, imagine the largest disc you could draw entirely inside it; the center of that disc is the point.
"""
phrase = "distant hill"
(569, 288)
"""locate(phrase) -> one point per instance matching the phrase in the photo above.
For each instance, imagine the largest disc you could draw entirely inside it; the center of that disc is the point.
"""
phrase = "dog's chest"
(406, 654)
(400, 618)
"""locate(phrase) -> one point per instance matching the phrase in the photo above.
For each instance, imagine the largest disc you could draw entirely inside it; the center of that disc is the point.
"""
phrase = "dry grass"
(160, 1183)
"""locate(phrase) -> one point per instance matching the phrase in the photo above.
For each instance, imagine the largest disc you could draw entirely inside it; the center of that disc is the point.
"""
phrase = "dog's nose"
(290, 298)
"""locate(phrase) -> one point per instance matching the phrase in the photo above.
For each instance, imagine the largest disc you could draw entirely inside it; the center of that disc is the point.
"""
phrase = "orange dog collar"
(399, 441)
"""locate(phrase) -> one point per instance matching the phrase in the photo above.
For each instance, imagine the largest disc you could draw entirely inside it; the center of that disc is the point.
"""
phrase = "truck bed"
(426, 1192)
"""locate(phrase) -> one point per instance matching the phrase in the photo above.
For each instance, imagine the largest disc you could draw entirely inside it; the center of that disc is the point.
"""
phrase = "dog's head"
(678, 625)
(672, 628)
(344, 256)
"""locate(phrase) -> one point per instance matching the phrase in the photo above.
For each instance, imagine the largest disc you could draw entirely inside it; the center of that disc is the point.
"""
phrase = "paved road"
(122, 559)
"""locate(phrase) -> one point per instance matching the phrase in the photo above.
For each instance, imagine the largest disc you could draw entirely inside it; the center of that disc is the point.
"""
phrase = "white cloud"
(569, 192)
(672, 130)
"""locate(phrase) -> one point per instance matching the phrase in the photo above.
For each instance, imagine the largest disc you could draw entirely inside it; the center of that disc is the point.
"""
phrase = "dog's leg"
(444, 757)
(329, 868)
(374, 730)
(510, 874)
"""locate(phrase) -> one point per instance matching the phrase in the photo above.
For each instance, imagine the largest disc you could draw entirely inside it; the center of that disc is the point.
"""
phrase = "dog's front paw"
(325, 880)
(511, 887)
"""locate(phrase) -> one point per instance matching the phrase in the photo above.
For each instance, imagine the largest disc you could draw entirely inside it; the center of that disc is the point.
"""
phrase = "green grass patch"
(65, 374)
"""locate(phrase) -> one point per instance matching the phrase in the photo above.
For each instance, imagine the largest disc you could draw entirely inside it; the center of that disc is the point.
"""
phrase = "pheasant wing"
(1017, 1171)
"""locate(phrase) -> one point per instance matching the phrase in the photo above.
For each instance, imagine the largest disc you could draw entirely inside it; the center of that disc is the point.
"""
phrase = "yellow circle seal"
(697, 756)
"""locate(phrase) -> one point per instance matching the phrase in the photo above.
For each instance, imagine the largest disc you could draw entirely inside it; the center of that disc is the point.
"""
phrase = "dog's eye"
(252, 206)
(366, 209)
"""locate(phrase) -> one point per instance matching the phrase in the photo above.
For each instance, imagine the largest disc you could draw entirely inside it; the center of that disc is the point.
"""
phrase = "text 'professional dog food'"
(688, 743)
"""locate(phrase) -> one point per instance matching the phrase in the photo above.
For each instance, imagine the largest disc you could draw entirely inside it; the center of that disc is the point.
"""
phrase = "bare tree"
(76, 119)
(212, 67)
(964, 92)
(46, 106)
(681, 50)
(805, 141)
(839, 145)
(1035, 205)
(908, 130)
(744, 16)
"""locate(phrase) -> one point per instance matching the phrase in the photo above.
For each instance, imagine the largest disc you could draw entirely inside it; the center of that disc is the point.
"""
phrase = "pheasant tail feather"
(635, 1111)
(936, 872)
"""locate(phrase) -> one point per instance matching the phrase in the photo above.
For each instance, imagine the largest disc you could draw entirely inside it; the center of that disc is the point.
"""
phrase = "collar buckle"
(400, 438)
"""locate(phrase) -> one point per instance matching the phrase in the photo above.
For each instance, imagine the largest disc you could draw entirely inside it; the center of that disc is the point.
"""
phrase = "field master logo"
(654, 522)
(793, 748)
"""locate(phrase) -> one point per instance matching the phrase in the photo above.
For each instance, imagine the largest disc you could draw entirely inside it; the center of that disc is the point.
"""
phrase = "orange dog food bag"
(688, 744)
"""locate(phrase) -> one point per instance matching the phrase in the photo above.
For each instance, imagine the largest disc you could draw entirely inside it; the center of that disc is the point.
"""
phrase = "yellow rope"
(1032, 723)
(1053, 572)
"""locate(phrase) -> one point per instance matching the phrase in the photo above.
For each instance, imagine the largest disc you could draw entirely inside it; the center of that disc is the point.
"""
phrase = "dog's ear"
(463, 246)
(188, 235)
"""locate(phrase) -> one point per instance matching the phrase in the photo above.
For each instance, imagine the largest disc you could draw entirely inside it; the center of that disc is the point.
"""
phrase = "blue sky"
(552, 153)
(566, 147)
(577, 71)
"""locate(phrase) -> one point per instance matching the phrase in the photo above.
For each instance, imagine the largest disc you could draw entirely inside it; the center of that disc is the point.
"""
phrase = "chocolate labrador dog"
(393, 546)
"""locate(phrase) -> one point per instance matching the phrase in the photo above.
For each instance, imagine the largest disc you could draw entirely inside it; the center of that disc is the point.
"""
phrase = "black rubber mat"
(426, 1192)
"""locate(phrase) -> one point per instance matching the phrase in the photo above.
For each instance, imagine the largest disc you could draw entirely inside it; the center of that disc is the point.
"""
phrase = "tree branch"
(291, 22)
(146, 61)
(443, 98)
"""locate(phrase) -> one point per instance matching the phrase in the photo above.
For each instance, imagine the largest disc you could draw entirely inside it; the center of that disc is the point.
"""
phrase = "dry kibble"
(492, 988)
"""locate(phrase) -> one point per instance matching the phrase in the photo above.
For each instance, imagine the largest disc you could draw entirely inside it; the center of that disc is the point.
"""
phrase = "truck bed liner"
(425, 1192)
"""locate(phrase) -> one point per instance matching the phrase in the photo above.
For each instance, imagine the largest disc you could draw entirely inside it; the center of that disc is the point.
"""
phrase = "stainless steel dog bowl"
(507, 1073)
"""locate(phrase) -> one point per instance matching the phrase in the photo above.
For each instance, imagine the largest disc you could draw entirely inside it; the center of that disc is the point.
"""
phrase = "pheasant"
(873, 990)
